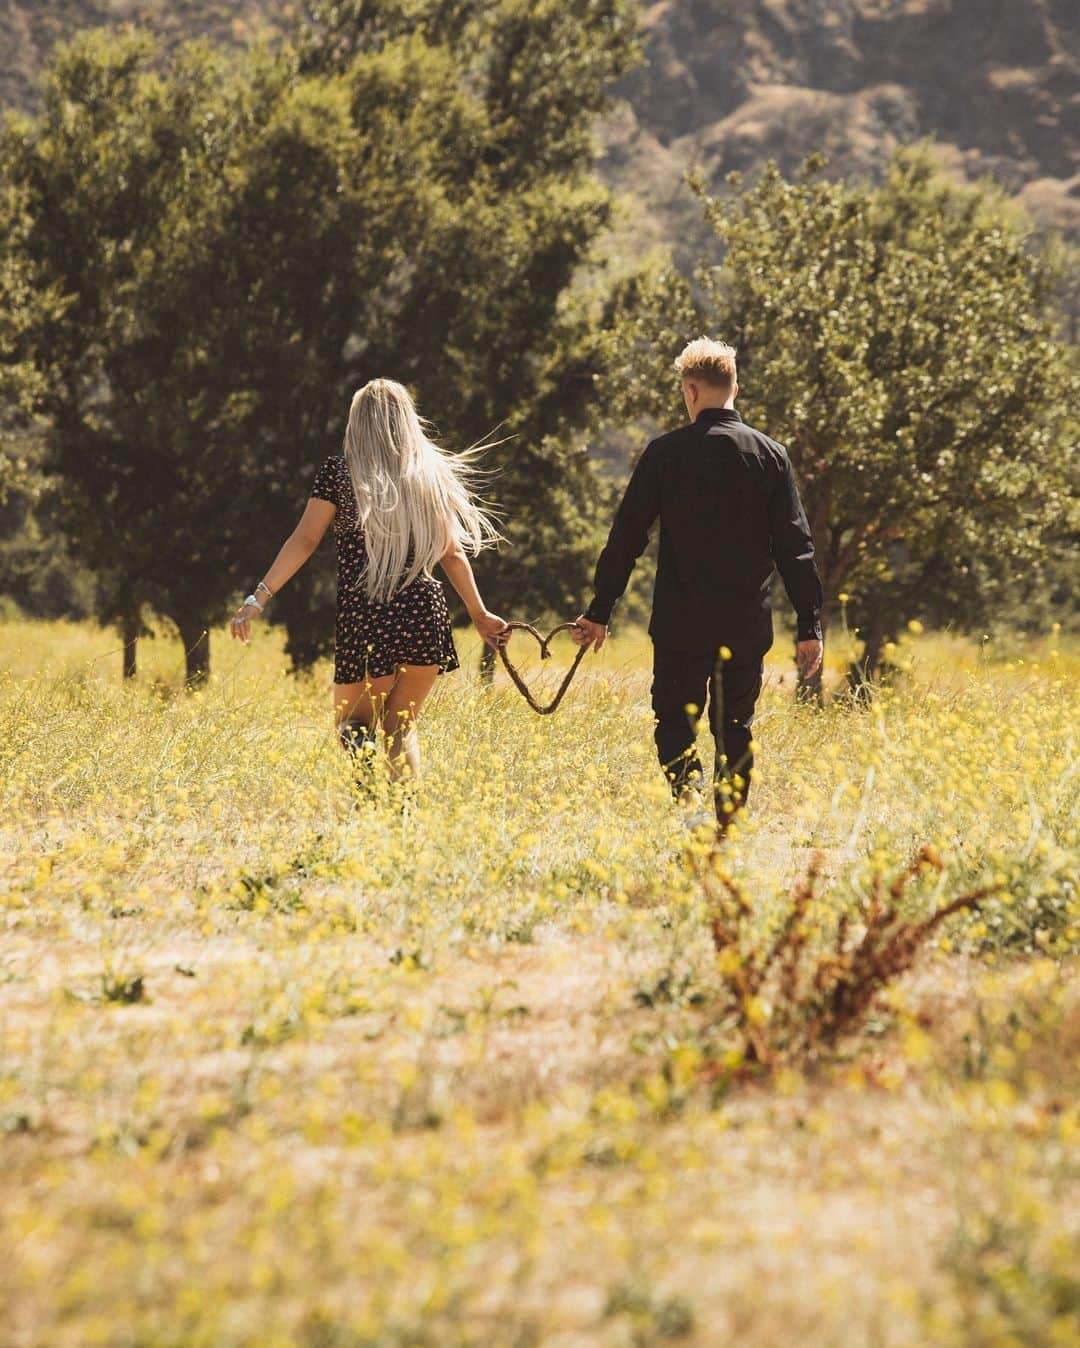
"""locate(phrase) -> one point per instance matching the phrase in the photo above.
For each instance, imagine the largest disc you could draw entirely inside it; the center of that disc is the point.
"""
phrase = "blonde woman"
(398, 504)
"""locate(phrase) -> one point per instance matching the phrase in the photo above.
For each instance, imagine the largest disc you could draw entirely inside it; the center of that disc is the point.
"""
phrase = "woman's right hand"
(240, 626)
(492, 628)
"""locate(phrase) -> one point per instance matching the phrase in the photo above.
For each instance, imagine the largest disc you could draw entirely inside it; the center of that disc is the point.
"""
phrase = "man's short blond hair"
(707, 362)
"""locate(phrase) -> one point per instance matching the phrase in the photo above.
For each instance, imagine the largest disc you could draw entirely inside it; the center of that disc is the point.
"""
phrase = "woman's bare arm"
(301, 543)
(459, 573)
(294, 552)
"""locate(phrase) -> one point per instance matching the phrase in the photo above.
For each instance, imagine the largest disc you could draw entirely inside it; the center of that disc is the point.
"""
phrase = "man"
(729, 512)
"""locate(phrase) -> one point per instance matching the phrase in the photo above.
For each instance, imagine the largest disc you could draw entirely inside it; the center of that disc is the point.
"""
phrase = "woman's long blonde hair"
(413, 499)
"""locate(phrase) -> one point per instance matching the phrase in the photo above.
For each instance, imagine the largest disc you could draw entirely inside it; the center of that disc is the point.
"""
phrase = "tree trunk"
(307, 610)
(196, 639)
(487, 666)
(872, 647)
(129, 631)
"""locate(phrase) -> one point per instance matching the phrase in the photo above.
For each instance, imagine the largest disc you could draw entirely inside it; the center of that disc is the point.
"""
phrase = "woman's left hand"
(240, 626)
(492, 628)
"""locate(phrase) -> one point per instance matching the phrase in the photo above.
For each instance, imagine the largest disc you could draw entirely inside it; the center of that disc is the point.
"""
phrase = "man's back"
(729, 511)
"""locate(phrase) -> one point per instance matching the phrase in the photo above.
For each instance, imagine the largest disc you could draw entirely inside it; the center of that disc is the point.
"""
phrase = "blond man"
(730, 514)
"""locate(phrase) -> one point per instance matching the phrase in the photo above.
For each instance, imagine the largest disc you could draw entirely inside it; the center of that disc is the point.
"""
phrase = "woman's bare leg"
(392, 703)
(362, 702)
(400, 712)
(358, 709)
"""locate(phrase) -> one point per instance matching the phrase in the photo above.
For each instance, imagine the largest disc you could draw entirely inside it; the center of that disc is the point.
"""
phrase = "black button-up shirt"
(729, 513)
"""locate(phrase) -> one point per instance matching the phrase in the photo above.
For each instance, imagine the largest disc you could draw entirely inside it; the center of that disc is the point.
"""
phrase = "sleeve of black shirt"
(629, 534)
(793, 552)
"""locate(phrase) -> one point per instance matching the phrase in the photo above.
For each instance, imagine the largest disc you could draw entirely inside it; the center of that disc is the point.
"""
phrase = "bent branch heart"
(545, 654)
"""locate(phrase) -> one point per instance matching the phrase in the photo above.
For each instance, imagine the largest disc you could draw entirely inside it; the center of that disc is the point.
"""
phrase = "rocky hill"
(996, 83)
(728, 82)
(30, 28)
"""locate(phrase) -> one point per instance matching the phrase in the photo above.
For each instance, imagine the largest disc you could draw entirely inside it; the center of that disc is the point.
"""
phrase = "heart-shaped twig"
(545, 654)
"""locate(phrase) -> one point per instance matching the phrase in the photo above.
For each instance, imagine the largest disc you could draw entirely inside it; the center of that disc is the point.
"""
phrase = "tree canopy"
(22, 301)
(154, 189)
(899, 339)
(240, 240)
(484, 322)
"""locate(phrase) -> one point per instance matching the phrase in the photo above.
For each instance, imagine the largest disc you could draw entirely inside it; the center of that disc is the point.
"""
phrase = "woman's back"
(412, 499)
(333, 483)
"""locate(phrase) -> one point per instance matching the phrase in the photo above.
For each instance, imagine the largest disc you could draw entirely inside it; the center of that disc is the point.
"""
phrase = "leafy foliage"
(242, 239)
(22, 298)
(146, 392)
(900, 340)
(30, 569)
(484, 324)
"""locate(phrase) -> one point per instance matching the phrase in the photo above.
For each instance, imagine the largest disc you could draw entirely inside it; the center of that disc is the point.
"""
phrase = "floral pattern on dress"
(373, 640)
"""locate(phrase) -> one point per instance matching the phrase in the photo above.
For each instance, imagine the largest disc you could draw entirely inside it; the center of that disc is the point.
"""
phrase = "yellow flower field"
(288, 1067)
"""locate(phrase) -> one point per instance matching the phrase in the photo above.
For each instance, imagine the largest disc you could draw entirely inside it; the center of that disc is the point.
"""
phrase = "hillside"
(30, 28)
(995, 82)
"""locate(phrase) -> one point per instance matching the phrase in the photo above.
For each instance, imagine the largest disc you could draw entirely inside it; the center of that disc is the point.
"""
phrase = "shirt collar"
(716, 416)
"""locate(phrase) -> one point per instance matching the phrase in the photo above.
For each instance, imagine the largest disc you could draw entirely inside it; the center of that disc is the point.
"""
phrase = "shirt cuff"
(809, 629)
(598, 613)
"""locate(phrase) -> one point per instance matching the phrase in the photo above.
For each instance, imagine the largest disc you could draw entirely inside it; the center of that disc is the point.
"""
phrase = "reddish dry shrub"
(792, 1000)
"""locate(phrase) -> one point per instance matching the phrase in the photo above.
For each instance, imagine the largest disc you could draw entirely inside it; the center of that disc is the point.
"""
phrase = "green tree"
(201, 215)
(23, 299)
(900, 340)
(486, 323)
(34, 570)
(242, 240)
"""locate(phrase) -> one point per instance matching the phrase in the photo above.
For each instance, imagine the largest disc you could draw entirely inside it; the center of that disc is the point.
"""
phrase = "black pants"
(681, 681)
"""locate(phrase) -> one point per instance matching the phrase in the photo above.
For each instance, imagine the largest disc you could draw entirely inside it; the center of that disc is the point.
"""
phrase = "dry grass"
(282, 1069)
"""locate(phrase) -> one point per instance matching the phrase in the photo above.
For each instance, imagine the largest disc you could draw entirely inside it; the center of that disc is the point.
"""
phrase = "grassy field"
(286, 1067)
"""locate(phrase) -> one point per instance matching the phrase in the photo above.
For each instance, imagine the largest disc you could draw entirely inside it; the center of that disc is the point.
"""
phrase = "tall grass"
(287, 1065)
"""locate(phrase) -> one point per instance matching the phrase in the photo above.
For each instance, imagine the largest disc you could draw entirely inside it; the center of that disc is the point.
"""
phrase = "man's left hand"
(808, 656)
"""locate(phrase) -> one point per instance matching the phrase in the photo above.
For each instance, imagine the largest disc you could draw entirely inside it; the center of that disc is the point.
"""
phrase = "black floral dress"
(374, 640)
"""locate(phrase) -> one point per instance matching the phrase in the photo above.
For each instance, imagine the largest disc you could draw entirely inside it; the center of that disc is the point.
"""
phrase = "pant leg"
(680, 680)
(734, 690)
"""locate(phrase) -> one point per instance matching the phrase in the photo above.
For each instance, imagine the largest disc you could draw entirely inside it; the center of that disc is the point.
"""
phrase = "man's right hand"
(588, 633)
(808, 656)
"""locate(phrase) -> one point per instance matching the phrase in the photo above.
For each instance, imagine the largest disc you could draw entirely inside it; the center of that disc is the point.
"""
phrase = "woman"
(398, 504)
